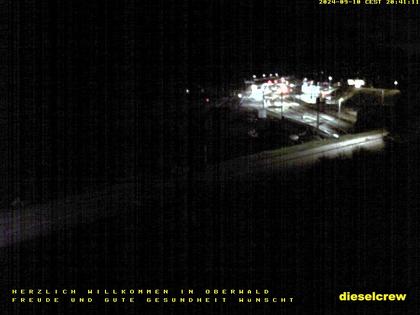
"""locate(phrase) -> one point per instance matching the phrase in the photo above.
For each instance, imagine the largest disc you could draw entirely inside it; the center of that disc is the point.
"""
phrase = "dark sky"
(218, 40)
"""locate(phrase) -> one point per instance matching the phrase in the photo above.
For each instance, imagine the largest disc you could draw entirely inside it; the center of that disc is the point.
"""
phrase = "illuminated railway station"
(320, 105)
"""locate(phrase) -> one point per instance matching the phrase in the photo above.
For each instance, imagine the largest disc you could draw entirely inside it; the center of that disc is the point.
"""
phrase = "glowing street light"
(329, 81)
(358, 83)
(240, 95)
(254, 76)
(187, 91)
(395, 82)
(263, 75)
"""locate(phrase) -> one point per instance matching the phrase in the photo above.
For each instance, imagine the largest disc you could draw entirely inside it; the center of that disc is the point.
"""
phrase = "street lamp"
(358, 83)
(262, 112)
(395, 82)
(263, 94)
(281, 107)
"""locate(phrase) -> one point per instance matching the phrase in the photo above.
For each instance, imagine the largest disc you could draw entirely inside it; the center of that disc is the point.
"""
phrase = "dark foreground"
(344, 225)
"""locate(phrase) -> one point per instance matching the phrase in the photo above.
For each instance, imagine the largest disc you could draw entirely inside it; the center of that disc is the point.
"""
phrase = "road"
(300, 156)
(329, 126)
(32, 221)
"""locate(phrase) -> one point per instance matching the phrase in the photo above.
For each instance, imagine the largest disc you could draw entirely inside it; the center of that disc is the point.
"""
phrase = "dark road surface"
(304, 235)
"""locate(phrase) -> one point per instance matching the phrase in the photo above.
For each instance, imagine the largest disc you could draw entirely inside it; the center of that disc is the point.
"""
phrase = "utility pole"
(383, 97)
(262, 113)
(340, 101)
(318, 101)
(281, 104)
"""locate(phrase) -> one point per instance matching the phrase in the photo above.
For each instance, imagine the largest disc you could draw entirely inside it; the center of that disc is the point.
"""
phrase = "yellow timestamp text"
(369, 2)
(348, 1)
(402, 1)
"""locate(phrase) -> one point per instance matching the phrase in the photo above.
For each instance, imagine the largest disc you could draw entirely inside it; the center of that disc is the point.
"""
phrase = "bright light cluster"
(310, 89)
(357, 83)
